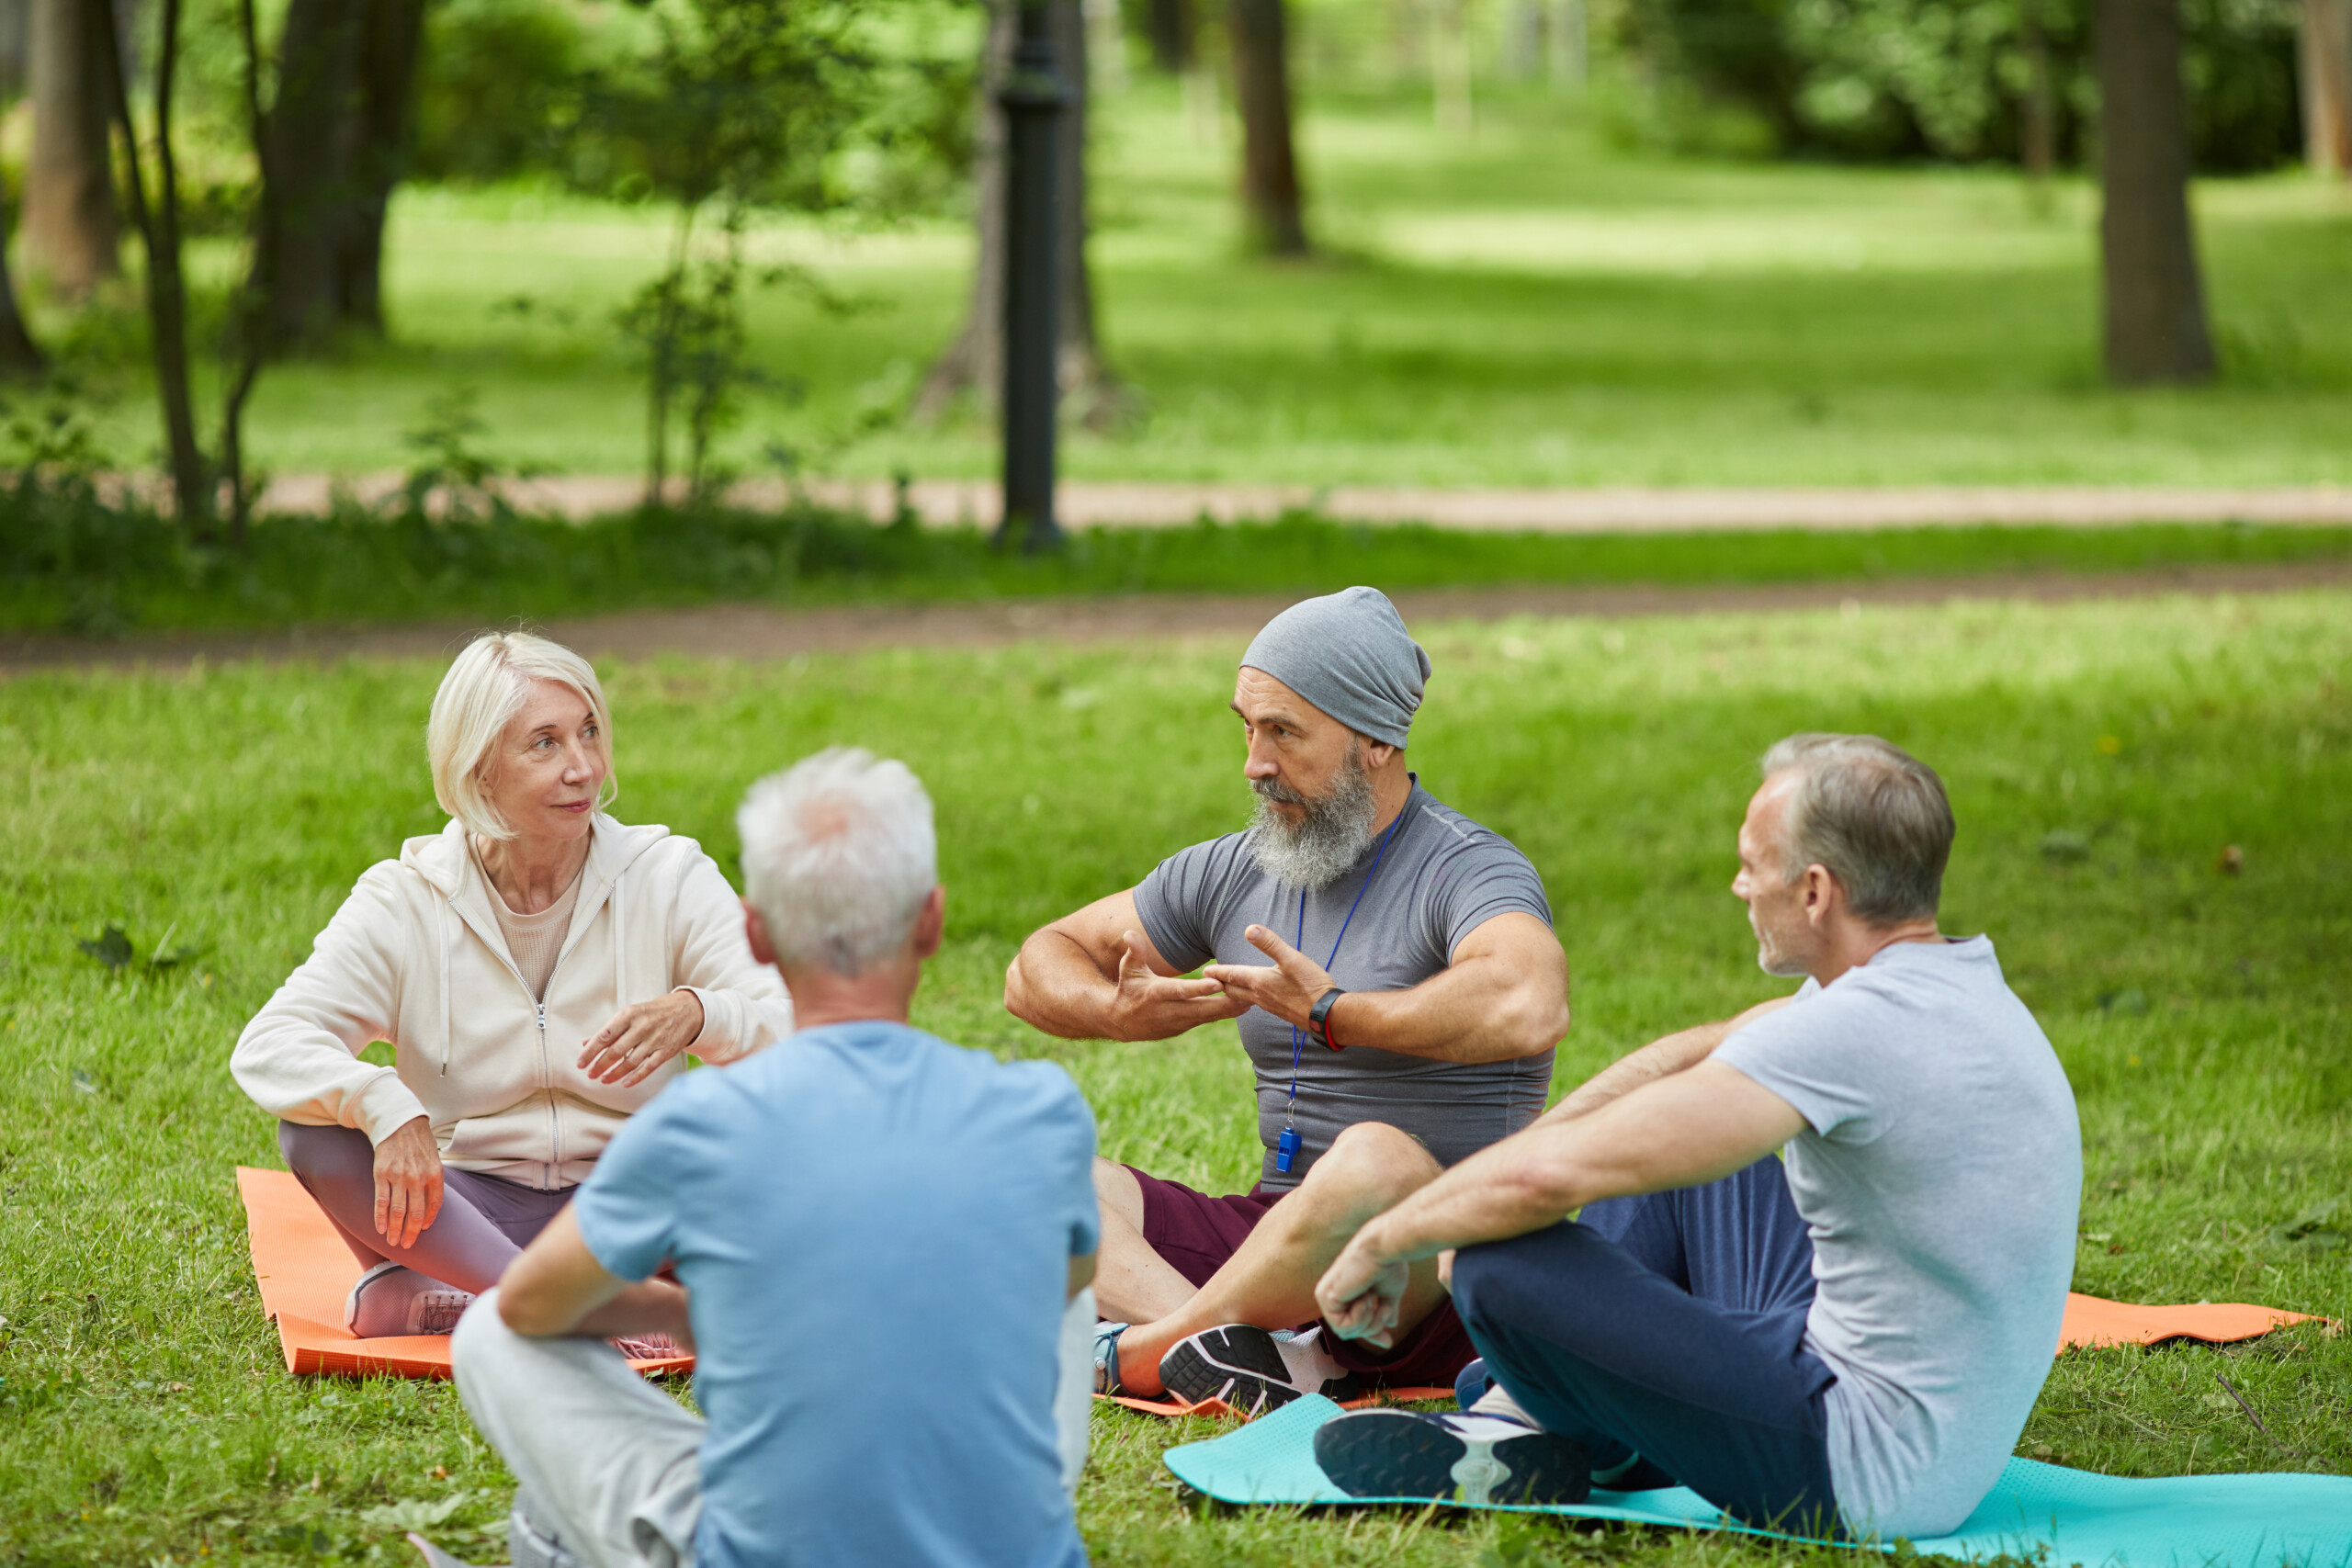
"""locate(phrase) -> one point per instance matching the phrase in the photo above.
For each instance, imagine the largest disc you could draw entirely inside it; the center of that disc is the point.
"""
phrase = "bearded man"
(1400, 993)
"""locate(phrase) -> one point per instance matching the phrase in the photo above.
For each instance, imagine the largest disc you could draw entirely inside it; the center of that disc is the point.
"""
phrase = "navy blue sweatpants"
(1669, 1325)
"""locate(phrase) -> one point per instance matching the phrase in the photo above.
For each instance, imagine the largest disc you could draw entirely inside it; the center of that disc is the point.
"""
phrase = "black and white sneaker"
(1463, 1459)
(1255, 1369)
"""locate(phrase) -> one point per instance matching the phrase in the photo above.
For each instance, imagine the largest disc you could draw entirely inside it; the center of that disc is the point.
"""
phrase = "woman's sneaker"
(393, 1299)
(647, 1347)
(1463, 1459)
(1255, 1369)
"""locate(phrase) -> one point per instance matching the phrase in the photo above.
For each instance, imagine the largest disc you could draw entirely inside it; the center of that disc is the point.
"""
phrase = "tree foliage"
(1947, 78)
(578, 94)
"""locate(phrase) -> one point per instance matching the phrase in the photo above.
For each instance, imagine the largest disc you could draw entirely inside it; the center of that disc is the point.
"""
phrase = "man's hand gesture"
(1360, 1296)
(1287, 989)
(1151, 1005)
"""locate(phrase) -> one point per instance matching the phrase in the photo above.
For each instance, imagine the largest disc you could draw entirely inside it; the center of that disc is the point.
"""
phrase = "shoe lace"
(437, 1311)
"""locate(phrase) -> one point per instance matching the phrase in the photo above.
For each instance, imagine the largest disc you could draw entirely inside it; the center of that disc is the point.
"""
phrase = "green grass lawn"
(2100, 757)
(1526, 306)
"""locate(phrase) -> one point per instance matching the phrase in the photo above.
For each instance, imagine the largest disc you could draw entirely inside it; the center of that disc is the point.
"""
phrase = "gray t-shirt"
(1443, 877)
(1940, 1179)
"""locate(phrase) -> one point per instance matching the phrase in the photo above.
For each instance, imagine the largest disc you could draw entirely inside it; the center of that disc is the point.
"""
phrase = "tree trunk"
(1271, 201)
(1449, 71)
(974, 362)
(308, 198)
(159, 232)
(2038, 116)
(2326, 47)
(19, 355)
(1569, 46)
(392, 48)
(2155, 303)
(71, 230)
(1172, 28)
(16, 37)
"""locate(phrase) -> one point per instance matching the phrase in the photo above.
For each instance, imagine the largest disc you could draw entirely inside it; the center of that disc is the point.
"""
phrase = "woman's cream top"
(536, 941)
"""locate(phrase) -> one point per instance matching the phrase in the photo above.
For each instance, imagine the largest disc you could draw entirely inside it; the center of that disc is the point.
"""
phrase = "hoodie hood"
(441, 858)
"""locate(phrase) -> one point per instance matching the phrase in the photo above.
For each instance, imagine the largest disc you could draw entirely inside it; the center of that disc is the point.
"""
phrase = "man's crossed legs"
(608, 1468)
(1663, 1337)
(1202, 1285)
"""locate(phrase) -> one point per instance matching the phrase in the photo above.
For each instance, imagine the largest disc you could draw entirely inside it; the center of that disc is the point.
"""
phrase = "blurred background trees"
(296, 121)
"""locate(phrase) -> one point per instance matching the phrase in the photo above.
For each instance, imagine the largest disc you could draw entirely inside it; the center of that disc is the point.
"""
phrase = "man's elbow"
(1534, 1023)
(529, 1314)
(1019, 998)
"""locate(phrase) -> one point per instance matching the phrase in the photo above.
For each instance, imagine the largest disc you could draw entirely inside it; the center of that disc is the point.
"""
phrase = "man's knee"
(1116, 1189)
(1498, 1283)
(1370, 1166)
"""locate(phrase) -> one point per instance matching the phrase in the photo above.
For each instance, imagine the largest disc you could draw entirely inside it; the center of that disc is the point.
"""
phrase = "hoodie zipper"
(546, 1071)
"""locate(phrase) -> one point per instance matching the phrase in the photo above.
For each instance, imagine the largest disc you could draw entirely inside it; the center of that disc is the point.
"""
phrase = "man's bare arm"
(1504, 996)
(1094, 975)
(557, 1288)
(1679, 1131)
(1672, 1053)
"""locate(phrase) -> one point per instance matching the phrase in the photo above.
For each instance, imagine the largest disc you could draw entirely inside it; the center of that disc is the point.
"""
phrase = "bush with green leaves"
(1879, 79)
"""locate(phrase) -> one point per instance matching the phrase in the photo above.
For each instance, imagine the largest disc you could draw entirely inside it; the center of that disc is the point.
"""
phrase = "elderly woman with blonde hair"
(536, 969)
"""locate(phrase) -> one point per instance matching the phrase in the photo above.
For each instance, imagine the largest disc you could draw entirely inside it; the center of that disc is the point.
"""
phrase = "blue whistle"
(1286, 1149)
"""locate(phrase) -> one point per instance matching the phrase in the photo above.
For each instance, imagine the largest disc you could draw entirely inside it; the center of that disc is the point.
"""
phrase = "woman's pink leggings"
(483, 1222)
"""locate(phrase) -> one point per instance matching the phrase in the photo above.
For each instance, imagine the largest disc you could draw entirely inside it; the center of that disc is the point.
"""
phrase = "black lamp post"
(1033, 97)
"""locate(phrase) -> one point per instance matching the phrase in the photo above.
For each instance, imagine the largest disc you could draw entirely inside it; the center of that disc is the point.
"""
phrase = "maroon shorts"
(1195, 1234)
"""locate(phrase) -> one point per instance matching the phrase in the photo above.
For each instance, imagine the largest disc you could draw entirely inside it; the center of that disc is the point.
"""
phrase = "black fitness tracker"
(1319, 1013)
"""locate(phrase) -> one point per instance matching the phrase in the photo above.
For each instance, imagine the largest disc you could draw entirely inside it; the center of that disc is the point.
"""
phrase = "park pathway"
(763, 632)
(1605, 508)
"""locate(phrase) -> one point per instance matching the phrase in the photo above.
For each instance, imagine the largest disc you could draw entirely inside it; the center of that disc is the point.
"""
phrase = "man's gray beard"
(1327, 841)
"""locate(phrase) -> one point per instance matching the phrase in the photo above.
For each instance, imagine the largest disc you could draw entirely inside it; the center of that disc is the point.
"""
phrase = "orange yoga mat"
(2093, 1321)
(1176, 1404)
(305, 1272)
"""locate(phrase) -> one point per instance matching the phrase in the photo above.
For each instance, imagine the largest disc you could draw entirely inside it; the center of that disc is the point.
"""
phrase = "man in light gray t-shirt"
(1848, 1337)
(1940, 1173)
(1399, 991)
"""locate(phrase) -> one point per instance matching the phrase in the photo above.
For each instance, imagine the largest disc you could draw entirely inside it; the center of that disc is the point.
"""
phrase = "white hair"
(483, 691)
(839, 856)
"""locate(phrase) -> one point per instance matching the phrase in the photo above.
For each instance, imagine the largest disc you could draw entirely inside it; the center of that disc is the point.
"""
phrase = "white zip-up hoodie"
(415, 957)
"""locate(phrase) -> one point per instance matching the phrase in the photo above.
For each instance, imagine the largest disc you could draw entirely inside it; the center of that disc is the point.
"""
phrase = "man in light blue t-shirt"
(859, 1188)
(1850, 1337)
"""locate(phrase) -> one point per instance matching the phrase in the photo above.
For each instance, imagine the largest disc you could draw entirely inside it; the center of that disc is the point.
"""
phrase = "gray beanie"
(1349, 655)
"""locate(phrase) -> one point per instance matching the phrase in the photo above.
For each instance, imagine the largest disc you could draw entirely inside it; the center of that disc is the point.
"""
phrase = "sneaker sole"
(1247, 1372)
(1396, 1453)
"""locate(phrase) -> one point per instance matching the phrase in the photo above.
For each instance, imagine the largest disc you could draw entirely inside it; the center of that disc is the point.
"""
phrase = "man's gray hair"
(1873, 815)
(839, 854)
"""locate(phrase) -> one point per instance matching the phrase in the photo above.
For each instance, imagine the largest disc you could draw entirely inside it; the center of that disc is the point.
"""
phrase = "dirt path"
(754, 632)
(1607, 509)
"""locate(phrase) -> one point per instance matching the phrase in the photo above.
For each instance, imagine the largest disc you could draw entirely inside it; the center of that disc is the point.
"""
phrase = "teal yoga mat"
(2190, 1521)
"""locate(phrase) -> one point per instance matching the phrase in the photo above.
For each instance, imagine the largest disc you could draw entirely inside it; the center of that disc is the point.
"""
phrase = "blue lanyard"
(1298, 1035)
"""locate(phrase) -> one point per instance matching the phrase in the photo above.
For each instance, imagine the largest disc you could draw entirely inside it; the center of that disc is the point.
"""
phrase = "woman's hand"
(641, 1038)
(408, 1183)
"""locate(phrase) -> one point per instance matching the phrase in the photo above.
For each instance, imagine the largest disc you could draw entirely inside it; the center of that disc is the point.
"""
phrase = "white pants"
(607, 1467)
